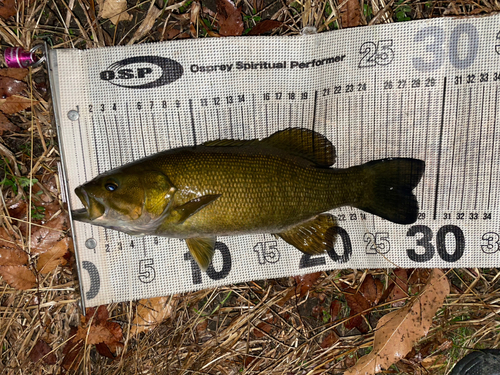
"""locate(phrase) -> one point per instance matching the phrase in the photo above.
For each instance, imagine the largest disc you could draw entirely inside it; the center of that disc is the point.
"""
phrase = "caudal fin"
(387, 188)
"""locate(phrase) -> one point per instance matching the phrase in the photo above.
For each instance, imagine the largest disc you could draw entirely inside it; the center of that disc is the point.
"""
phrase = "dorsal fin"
(304, 143)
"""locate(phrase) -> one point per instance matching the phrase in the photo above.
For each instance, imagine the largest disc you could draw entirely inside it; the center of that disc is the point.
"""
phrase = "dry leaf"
(305, 282)
(19, 277)
(15, 103)
(351, 14)
(264, 26)
(101, 330)
(72, 351)
(16, 73)
(151, 312)
(6, 125)
(358, 305)
(10, 86)
(147, 23)
(12, 257)
(7, 8)
(329, 340)
(400, 288)
(397, 332)
(54, 257)
(335, 307)
(229, 17)
(371, 289)
(43, 350)
(115, 10)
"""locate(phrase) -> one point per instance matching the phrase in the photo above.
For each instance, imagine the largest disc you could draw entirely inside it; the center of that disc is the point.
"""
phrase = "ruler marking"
(278, 115)
(180, 127)
(337, 127)
(362, 128)
(493, 147)
(440, 149)
(374, 114)
(315, 106)
(400, 124)
(83, 152)
(453, 148)
(129, 131)
(466, 150)
(193, 126)
(387, 126)
(206, 124)
(166, 130)
(154, 132)
(142, 135)
(119, 140)
(231, 123)
(242, 123)
(267, 120)
(479, 151)
(425, 142)
(414, 125)
(349, 123)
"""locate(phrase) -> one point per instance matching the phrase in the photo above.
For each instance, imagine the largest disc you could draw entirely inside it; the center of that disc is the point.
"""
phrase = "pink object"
(16, 57)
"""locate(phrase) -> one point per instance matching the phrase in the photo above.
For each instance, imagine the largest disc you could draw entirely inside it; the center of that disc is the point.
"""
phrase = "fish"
(283, 185)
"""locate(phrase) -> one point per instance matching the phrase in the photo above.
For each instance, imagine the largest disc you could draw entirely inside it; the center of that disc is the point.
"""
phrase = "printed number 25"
(380, 53)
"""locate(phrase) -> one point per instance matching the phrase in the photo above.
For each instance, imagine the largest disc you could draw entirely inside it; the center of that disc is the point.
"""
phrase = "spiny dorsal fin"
(314, 236)
(301, 142)
(305, 143)
(202, 250)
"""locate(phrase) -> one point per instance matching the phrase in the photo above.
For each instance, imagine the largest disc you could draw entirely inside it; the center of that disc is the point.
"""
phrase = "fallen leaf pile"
(49, 242)
(11, 100)
(95, 329)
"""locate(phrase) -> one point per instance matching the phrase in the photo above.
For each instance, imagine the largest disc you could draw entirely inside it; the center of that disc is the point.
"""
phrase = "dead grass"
(251, 328)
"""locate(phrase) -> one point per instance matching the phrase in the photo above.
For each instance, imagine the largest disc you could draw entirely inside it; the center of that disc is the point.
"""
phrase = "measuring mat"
(426, 89)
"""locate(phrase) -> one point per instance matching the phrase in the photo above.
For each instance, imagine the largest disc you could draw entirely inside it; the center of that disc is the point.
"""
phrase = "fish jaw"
(93, 208)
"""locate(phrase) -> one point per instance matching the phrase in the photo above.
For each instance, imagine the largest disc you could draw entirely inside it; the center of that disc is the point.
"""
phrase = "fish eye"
(111, 186)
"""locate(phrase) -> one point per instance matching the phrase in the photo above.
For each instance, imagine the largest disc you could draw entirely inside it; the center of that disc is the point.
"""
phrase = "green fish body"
(282, 184)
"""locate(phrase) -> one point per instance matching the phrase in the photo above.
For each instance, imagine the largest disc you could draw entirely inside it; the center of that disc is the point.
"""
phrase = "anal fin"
(202, 250)
(314, 236)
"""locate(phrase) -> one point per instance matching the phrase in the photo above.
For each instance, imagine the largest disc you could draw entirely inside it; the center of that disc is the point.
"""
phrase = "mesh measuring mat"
(425, 89)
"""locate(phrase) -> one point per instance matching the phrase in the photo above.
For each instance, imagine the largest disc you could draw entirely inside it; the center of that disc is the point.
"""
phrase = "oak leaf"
(11, 86)
(15, 103)
(151, 312)
(19, 277)
(6, 125)
(264, 26)
(305, 282)
(229, 17)
(100, 329)
(398, 331)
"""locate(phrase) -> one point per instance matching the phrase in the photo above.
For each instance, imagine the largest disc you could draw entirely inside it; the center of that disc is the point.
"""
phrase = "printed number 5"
(147, 272)
(376, 54)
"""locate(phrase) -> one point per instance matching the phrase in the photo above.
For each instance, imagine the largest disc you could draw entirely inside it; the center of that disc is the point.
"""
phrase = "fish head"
(129, 201)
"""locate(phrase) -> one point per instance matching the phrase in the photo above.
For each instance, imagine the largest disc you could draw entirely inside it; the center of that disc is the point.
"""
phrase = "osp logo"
(143, 72)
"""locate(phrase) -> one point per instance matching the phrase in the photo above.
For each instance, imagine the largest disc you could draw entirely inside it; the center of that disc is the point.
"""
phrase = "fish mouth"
(93, 209)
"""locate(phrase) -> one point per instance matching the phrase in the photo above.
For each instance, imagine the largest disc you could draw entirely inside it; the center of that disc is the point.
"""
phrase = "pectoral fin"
(193, 206)
(314, 236)
(202, 250)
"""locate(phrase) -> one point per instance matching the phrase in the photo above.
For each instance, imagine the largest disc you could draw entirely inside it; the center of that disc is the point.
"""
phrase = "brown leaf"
(115, 11)
(351, 14)
(371, 289)
(101, 330)
(262, 329)
(305, 282)
(10, 86)
(264, 26)
(72, 351)
(358, 305)
(16, 73)
(45, 237)
(230, 20)
(397, 332)
(329, 340)
(147, 23)
(151, 312)
(54, 257)
(335, 307)
(7, 8)
(15, 103)
(19, 277)
(43, 350)
(6, 125)
(400, 290)
(12, 257)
